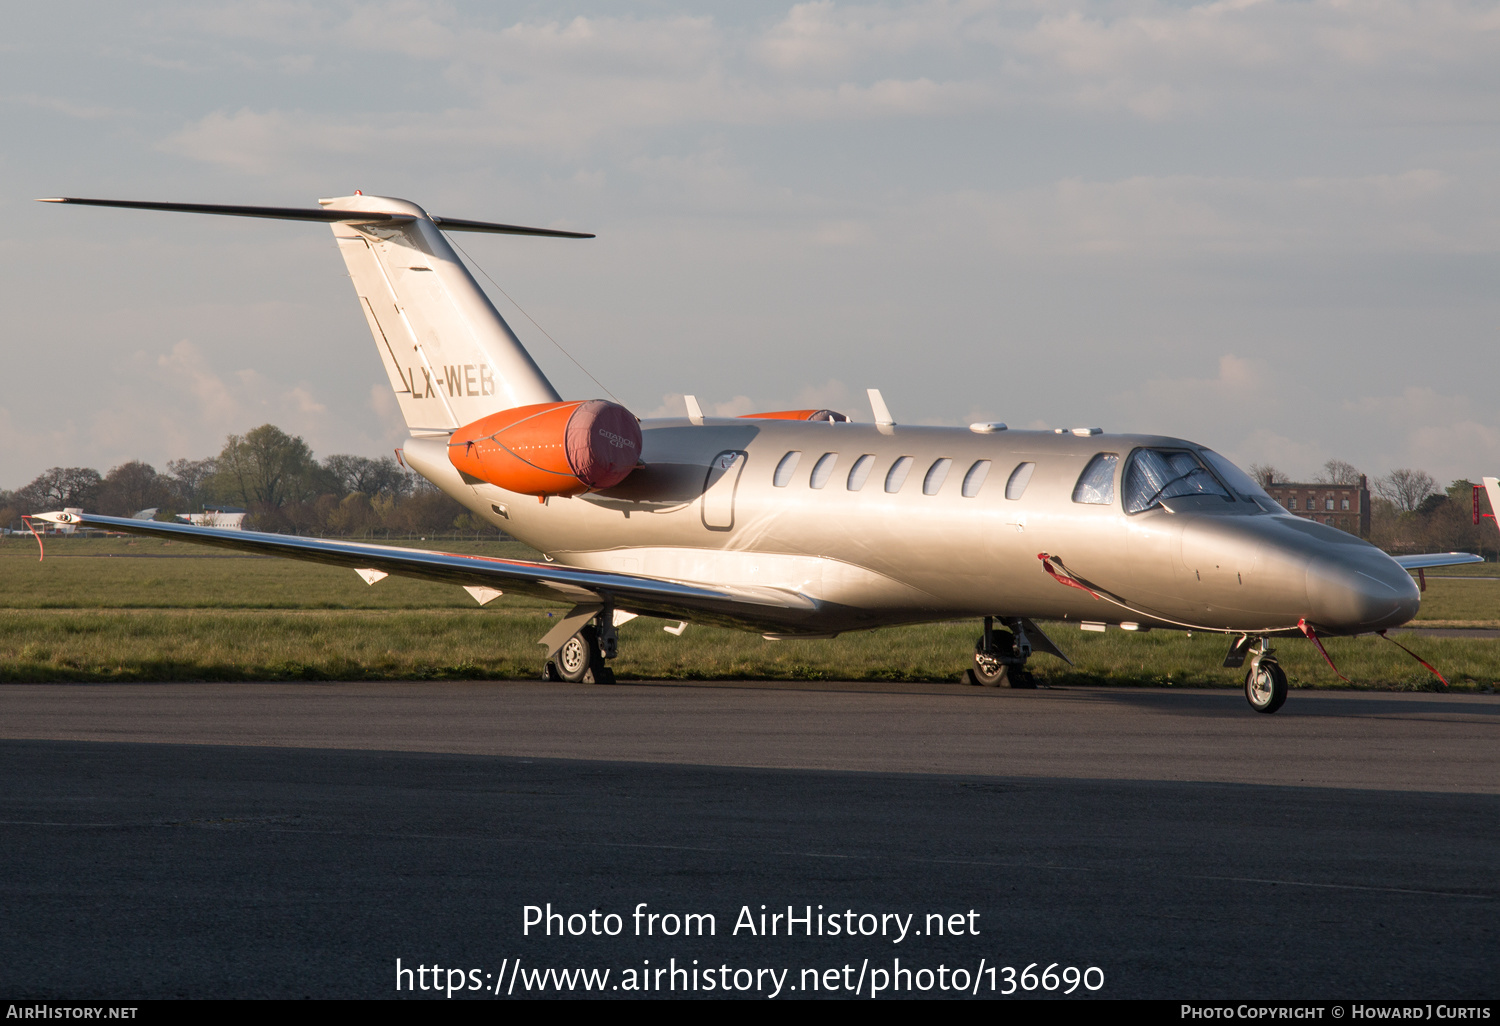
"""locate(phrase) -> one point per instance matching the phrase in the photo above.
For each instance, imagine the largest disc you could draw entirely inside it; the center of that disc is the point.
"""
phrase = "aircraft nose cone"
(1357, 595)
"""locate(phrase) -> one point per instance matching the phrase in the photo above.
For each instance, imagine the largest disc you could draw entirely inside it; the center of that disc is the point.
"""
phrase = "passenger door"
(719, 486)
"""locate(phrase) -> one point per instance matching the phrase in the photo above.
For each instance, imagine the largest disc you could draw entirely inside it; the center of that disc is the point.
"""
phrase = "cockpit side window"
(1152, 475)
(1096, 485)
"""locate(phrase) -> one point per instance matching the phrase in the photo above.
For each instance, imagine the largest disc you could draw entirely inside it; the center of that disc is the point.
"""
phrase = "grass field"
(117, 610)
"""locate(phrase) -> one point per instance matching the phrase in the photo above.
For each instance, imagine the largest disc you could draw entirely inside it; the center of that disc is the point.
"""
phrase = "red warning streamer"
(1312, 635)
(1431, 669)
(41, 549)
(1060, 574)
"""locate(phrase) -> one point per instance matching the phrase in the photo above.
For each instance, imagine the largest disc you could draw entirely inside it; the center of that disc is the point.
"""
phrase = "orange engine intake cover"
(550, 448)
(796, 415)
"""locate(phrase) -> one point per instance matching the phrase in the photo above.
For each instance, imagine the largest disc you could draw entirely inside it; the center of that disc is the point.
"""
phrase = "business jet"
(803, 523)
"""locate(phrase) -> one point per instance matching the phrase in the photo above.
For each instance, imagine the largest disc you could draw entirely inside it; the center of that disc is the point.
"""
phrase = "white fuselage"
(706, 507)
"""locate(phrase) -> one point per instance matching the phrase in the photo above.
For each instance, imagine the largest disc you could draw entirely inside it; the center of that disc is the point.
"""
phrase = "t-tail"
(450, 356)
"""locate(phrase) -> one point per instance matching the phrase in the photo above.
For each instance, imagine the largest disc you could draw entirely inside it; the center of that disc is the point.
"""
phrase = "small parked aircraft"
(801, 523)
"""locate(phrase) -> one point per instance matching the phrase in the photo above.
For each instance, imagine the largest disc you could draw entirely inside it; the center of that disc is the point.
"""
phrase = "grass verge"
(269, 645)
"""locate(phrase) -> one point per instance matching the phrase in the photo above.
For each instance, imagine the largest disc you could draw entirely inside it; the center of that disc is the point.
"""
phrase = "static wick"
(41, 549)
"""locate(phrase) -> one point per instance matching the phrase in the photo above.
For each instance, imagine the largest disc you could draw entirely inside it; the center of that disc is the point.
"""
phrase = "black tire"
(1265, 686)
(579, 655)
(988, 669)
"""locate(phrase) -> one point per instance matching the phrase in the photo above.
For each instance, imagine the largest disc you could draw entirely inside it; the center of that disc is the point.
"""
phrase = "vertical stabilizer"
(450, 356)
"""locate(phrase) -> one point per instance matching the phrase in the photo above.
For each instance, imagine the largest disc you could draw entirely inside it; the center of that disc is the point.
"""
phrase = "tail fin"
(450, 356)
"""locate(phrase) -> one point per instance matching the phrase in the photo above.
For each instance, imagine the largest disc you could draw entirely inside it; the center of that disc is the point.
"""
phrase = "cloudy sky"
(1272, 227)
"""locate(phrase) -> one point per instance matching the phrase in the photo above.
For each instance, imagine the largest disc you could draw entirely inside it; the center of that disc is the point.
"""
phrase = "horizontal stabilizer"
(325, 215)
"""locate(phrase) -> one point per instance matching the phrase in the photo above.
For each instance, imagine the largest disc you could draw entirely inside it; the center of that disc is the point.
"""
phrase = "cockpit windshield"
(1241, 483)
(1153, 475)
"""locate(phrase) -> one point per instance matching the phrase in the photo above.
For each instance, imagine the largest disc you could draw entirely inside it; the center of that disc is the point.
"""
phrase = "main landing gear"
(1000, 657)
(577, 649)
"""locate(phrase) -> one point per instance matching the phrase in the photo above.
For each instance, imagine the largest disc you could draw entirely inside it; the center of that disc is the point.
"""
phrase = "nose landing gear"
(1000, 657)
(1265, 681)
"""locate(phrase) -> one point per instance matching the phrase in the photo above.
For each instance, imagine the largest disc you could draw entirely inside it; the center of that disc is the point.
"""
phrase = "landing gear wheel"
(988, 669)
(1265, 686)
(580, 662)
(998, 666)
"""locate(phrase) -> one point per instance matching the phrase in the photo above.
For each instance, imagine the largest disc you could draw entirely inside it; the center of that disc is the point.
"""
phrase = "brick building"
(1346, 507)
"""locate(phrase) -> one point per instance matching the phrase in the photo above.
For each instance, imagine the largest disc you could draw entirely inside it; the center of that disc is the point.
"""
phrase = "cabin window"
(974, 479)
(936, 475)
(1096, 485)
(896, 476)
(1156, 474)
(823, 469)
(1019, 479)
(860, 471)
(786, 468)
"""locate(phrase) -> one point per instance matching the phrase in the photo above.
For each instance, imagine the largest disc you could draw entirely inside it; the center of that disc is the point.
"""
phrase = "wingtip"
(53, 199)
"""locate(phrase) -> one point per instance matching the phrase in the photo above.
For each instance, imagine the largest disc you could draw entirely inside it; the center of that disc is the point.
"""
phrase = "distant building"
(228, 518)
(1346, 507)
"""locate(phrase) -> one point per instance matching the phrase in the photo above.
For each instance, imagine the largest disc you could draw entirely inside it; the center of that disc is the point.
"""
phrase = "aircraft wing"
(763, 609)
(1428, 560)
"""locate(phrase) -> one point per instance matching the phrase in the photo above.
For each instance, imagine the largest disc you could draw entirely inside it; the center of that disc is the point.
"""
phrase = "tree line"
(1409, 512)
(272, 475)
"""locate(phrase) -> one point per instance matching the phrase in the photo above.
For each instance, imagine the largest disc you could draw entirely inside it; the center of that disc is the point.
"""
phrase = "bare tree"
(132, 487)
(1405, 488)
(371, 477)
(61, 487)
(190, 477)
(1337, 472)
(1262, 472)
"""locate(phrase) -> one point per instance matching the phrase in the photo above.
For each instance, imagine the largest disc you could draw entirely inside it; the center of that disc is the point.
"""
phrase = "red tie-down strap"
(1418, 658)
(1312, 635)
(1060, 574)
(41, 549)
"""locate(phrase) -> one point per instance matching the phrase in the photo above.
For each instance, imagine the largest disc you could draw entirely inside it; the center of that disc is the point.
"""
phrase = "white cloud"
(570, 86)
(1449, 436)
(1420, 210)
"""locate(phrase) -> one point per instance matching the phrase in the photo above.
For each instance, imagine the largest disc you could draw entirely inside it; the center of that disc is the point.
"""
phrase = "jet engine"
(550, 448)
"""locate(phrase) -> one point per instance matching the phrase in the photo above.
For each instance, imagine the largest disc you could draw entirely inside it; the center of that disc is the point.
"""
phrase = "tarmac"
(290, 840)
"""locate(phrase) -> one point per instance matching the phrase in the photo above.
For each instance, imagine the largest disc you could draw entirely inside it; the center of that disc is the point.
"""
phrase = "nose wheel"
(1265, 685)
